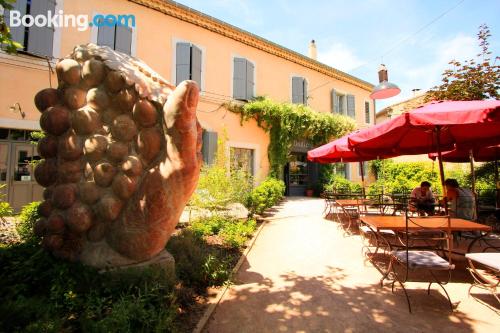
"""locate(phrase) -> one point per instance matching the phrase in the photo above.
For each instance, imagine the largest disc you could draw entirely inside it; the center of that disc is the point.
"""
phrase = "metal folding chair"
(485, 270)
(412, 258)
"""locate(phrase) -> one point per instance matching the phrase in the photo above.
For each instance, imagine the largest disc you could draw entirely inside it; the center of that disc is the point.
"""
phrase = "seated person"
(422, 199)
(461, 201)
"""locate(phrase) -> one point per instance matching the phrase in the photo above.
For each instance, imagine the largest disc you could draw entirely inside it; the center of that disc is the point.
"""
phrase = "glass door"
(23, 188)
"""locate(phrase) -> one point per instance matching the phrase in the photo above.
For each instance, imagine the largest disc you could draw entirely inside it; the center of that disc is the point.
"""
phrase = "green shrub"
(27, 219)
(236, 234)
(196, 263)
(208, 226)
(42, 294)
(266, 195)
(340, 184)
(5, 208)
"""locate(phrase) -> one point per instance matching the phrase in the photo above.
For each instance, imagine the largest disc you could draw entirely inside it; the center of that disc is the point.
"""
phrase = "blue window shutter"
(367, 112)
(209, 147)
(106, 36)
(183, 62)
(41, 39)
(297, 90)
(304, 91)
(123, 39)
(239, 78)
(351, 111)
(17, 32)
(250, 72)
(347, 171)
(335, 106)
(196, 65)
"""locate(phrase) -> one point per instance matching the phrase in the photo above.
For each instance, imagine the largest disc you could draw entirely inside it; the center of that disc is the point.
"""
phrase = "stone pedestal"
(163, 264)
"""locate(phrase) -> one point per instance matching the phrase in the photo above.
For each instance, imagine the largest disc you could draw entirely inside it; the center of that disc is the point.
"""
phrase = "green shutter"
(297, 90)
(196, 65)
(209, 147)
(304, 91)
(106, 36)
(367, 112)
(41, 39)
(239, 78)
(250, 72)
(335, 106)
(351, 111)
(17, 33)
(123, 40)
(183, 62)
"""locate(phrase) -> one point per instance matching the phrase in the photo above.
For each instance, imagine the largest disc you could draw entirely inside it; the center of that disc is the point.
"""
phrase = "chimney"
(313, 52)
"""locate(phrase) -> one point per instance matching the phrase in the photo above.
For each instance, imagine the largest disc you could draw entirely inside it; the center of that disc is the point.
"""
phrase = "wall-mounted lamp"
(16, 108)
(384, 89)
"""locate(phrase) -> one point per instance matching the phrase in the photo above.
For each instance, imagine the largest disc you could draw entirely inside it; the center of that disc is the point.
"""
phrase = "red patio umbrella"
(339, 151)
(433, 127)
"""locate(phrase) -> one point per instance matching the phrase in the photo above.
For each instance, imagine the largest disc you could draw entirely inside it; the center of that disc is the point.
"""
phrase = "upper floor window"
(35, 40)
(117, 37)
(299, 90)
(188, 63)
(243, 79)
(343, 104)
(367, 112)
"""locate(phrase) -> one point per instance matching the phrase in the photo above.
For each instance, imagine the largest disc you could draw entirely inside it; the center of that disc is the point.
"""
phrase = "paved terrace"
(303, 275)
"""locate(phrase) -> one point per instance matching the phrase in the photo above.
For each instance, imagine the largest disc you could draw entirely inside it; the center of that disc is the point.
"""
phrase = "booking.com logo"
(61, 20)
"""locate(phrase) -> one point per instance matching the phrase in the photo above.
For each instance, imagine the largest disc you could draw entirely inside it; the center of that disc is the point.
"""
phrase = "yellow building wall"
(154, 41)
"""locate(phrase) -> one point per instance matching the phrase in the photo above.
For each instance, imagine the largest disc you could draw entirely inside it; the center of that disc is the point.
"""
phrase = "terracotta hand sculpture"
(121, 158)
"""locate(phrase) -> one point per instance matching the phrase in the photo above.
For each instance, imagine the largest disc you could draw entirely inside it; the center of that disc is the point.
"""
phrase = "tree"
(5, 37)
(475, 79)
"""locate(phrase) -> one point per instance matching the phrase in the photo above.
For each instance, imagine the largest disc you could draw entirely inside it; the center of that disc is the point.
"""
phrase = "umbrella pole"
(473, 185)
(497, 185)
(472, 172)
(441, 169)
(362, 172)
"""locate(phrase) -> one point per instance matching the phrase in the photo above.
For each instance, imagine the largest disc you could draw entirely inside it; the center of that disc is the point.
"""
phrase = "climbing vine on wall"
(287, 123)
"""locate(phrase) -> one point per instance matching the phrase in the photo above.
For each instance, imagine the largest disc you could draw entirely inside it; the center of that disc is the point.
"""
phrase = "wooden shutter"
(351, 111)
(41, 39)
(304, 91)
(297, 90)
(335, 106)
(183, 62)
(347, 170)
(17, 32)
(123, 39)
(106, 36)
(209, 147)
(367, 112)
(239, 78)
(196, 65)
(250, 80)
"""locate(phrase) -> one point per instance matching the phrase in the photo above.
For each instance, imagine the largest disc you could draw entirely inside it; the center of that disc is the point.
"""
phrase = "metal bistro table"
(398, 224)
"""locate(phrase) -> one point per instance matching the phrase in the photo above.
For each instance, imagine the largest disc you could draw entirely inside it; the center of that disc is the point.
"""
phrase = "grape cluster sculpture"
(121, 158)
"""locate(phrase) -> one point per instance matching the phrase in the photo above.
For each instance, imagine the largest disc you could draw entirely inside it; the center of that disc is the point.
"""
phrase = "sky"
(415, 39)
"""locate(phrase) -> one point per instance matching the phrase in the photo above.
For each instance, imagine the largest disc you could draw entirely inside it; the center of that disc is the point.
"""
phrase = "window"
(365, 169)
(117, 37)
(367, 112)
(241, 159)
(343, 104)
(342, 169)
(35, 40)
(188, 63)
(298, 169)
(299, 90)
(243, 79)
(209, 147)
